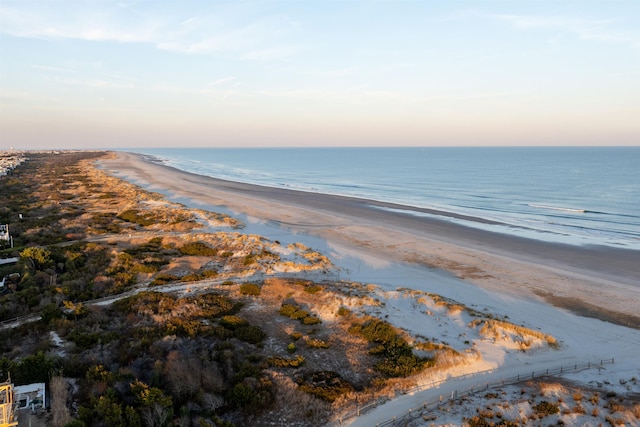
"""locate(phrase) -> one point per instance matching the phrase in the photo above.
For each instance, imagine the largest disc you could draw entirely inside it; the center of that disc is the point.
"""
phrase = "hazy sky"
(318, 72)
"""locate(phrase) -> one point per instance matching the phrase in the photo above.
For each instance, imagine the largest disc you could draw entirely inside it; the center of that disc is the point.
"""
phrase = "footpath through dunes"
(595, 281)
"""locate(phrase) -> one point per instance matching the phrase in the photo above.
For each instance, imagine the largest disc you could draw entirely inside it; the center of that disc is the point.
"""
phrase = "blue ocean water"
(573, 195)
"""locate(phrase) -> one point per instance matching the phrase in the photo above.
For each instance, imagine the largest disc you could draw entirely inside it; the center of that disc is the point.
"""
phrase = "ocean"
(572, 195)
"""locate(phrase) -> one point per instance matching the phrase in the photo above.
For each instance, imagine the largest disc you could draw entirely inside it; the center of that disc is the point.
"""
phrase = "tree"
(37, 258)
(157, 407)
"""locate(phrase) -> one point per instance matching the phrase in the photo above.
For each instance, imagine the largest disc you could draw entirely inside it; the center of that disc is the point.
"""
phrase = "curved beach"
(594, 281)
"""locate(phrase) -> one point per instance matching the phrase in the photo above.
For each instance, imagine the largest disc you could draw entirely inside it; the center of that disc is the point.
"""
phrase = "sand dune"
(589, 280)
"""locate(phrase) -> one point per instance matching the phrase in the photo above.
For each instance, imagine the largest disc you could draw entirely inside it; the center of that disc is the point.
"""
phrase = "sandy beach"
(592, 281)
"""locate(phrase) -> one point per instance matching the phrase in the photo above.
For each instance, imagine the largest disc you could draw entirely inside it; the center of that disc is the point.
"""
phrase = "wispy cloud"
(217, 28)
(601, 30)
(93, 83)
(54, 69)
(190, 20)
(221, 81)
(273, 53)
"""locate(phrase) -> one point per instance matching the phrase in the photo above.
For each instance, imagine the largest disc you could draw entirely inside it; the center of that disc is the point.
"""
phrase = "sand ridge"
(573, 277)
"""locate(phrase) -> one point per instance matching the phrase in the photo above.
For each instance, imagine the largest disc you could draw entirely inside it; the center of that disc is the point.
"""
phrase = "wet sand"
(588, 276)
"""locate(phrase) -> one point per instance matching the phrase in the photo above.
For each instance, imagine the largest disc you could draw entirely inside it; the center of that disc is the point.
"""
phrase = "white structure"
(4, 233)
(30, 396)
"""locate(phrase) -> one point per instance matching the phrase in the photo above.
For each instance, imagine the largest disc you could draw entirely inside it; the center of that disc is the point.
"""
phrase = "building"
(30, 396)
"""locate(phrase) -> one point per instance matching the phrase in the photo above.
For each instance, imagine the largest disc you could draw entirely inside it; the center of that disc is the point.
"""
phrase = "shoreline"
(571, 277)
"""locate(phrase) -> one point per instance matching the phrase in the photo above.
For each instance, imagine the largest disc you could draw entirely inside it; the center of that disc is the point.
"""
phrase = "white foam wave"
(556, 208)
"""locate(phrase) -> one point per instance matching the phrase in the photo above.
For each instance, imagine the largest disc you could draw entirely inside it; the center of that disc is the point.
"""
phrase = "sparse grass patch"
(282, 362)
(163, 279)
(545, 408)
(316, 343)
(327, 385)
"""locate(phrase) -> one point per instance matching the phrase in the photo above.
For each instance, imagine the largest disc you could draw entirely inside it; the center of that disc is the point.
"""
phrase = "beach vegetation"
(326, 385)
(233, 321)
(198, 249)
(497, 329)
(163, 279)
(283, 362)
(295, 312)
(546, 408)
(250, 289)
(197, 276)
(398, 359)
(313, 288)
(135, 216)
(316, 343)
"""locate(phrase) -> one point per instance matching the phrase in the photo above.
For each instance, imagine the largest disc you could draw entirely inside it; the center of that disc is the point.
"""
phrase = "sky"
(159, 73)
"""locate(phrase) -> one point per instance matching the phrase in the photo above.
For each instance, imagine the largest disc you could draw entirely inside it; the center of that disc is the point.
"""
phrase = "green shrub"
(233, 321)
(313, 289)
(136, 217)
(343, 311)
(288, 309)
(250, 289)
(251, 334)
(311, 320)
(375, 331)
(197, 249)
(397, 354)
(299, 314)
(251, 396)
